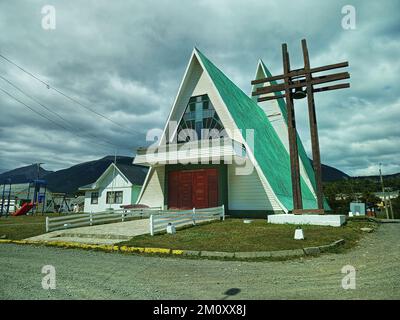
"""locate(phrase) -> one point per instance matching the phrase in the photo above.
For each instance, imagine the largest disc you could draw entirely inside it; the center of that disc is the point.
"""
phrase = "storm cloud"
(125, 60)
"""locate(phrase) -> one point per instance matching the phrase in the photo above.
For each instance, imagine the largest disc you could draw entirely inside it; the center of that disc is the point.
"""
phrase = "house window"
(114, 197)
(199, 114)
(94, 198)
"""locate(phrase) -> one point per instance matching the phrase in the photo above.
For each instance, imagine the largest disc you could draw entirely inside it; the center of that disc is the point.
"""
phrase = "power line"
(49, 119)
(55, 113)
(68, 97)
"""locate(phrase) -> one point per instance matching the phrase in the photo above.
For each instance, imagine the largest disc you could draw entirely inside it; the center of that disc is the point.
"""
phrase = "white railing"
(89, 219)
(159, 222)
(11, 206)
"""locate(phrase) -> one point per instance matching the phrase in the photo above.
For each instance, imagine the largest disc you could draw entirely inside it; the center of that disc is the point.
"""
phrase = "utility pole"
(390, 204)
(383, 190)
(38, 170)
(36, 191)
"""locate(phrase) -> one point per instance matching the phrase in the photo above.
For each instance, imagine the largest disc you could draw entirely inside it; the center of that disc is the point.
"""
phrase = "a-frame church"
(220, 147)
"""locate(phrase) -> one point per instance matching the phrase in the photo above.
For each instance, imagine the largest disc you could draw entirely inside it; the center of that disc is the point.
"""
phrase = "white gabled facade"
(111, 181)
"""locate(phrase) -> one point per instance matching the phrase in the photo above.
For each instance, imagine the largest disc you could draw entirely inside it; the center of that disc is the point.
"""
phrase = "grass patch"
(232, 235)
(21, 227)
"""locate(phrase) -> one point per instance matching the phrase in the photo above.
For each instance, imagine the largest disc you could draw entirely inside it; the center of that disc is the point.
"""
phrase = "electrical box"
(357, 207)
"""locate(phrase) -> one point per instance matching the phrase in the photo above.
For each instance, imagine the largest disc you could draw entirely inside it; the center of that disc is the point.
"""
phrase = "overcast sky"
(125, 59)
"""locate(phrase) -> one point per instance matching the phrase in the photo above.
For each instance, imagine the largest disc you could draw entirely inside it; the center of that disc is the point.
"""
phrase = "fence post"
(47, 224)
(194, 216)
(91, 218)
(223, 212)
(151, 225)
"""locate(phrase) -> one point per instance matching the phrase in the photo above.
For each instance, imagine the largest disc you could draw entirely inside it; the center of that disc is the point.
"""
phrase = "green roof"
(268, 150)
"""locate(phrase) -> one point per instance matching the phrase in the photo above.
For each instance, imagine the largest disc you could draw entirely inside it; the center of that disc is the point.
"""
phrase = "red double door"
(189, 189)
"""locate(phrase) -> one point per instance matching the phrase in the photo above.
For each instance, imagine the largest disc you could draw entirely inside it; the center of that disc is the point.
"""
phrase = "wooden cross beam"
(299, 84)
(302, 81)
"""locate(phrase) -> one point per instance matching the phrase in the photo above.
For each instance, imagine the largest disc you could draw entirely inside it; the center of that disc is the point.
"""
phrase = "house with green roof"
(220, 147)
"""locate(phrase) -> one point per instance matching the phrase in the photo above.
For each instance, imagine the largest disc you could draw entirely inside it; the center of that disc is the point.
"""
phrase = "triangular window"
(200, 121)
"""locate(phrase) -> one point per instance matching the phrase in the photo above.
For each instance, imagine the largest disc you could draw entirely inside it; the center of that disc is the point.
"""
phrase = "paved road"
(85, 274)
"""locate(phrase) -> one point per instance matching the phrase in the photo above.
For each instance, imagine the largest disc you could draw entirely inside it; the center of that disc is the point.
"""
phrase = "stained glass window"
(198, 116)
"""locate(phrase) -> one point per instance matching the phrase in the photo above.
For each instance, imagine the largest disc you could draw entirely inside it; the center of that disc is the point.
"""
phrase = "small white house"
(118, 186)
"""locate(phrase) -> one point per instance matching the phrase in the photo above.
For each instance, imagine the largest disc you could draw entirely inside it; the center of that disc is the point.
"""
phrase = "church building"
(220, 147)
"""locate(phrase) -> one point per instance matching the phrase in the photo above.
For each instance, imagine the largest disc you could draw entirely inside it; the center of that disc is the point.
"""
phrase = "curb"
(206, 254)
(321, 249)
(101, 247)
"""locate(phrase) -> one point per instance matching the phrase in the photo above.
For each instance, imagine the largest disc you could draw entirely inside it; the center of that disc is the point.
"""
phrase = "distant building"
(119, 185)
(388, 194)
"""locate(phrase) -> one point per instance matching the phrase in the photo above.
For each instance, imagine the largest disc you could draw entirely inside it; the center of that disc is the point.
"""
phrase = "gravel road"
(97, 275)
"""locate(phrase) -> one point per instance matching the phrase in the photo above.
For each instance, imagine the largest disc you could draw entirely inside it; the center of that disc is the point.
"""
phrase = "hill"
(24, 174)
(332, 174)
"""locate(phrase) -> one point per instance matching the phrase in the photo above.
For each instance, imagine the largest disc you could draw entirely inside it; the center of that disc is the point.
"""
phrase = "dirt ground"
(97, 275)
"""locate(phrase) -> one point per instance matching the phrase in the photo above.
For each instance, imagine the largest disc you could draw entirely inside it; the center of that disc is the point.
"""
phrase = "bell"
(299, 94)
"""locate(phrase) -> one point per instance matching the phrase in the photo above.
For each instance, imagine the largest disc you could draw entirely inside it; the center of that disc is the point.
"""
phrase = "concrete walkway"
(101, 234)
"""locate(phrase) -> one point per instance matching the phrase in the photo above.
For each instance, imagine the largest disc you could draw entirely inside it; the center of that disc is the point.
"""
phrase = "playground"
(25, 206)
(22, 199)
(33, 198)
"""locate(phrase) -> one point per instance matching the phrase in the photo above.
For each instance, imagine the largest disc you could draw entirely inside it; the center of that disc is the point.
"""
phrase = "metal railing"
(89, 219)
(159, 222)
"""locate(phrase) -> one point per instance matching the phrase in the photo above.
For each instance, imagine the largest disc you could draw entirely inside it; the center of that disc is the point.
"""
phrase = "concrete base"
(311, 219)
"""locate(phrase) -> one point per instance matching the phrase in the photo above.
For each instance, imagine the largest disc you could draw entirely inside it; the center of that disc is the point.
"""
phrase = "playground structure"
(38, 199)
(6, 198)
(33, 199)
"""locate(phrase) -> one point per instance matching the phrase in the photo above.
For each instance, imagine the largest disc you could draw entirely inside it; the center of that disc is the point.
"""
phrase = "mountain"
(332, 174)
(69, 180)
(23, 174)
(377, 177)
(65, 180)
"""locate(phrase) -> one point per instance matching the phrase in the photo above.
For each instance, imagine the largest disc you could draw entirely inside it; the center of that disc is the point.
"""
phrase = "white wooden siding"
(153, 192)
(246, 192)
(107, 184)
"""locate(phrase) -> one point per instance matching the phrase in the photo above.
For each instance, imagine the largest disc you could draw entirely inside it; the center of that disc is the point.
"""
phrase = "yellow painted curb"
(102, 247)
(157, 250)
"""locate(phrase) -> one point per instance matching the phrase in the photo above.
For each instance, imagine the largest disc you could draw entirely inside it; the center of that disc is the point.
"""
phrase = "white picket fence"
(159, 222)
(89, 219)
(11, 208)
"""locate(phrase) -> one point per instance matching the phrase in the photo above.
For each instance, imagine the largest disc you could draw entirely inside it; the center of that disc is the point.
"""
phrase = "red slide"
(24, 209)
